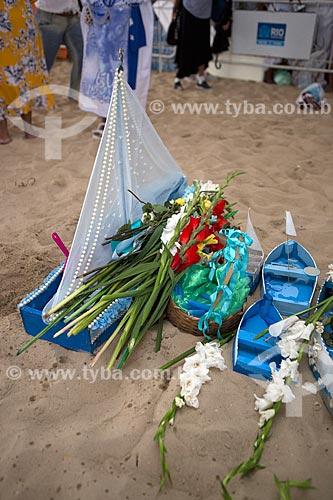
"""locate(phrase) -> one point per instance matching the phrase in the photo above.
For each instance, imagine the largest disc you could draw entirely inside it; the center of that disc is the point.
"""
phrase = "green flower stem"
(159, 334)
(157, 312)
(227, 337)
(104, 272)
(46, 329)
(253, 462)
(85, 306)
(112, 337)
(327, 303)
(85, 321)
(135, 310)
(83, 288)
(160, 437)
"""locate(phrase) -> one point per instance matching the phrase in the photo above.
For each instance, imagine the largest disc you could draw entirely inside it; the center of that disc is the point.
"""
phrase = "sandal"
(98, 132)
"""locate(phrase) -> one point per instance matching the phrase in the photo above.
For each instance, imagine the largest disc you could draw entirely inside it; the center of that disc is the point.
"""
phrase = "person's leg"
(4, 135)
(74, 43)
(27, 120)
(52, 28)
(202, 50)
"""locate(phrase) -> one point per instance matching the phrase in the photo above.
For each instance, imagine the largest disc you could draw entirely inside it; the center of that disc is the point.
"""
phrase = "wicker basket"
(189, 324)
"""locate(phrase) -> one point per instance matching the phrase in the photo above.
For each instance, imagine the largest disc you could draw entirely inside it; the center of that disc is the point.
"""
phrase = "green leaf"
(284, 492)
(284, 487)
(159, 334)
(305, 485)
(226, 494)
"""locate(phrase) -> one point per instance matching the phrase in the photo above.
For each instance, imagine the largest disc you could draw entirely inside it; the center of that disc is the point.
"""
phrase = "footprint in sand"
(297, 173)
(23, 184)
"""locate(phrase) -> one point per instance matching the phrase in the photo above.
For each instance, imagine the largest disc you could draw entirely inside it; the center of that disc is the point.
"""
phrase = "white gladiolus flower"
(193, 362)
(265, 416)
(278, 328)
(289, 368)
(179, 402)
(196, 369)
(195, 372)
(262, 404)
(277, 376)
(209, 186)
(307, 332)
(279, 392)
(296, 331)
(170, 227)
(190, 384)
(288, 348)
(192, 400)
(212, 353)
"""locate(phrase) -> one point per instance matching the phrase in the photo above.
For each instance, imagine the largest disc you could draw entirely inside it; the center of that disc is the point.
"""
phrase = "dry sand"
(78, 440)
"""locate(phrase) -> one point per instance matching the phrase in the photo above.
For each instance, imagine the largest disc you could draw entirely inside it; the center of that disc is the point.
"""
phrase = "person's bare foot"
(4, 135)
(27, 120)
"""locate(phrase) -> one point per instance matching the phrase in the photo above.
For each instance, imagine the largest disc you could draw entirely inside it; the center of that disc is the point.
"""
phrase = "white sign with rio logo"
(286, 35)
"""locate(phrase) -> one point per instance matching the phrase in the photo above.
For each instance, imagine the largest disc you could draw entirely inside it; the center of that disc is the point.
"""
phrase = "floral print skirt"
(23, 73)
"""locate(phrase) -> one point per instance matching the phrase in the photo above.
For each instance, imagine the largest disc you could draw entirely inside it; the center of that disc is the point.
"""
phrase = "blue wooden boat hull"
(31, 308)
(321, 362)
(290, 287)
(252, 357)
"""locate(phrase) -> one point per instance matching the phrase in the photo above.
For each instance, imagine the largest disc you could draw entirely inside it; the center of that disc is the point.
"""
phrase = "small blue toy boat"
(252, 357)
(321, 353)
(290, 276)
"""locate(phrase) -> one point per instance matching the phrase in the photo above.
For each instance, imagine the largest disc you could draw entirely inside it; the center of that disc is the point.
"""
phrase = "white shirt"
(58, 6)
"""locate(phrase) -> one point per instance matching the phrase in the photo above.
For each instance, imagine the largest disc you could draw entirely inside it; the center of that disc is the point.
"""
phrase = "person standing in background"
(107, 26)
(193, 49)
(23, 73)
(59, 22)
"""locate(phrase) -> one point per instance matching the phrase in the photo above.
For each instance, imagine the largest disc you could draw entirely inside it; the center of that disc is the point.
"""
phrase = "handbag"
(174, 29)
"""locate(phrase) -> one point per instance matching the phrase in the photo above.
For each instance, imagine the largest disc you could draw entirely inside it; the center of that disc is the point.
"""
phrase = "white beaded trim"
(38, 291)
(103, 182)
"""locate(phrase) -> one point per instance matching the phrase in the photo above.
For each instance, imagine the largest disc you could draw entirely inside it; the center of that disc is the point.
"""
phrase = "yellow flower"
(207, 204)
(210, 240)
(180, 201)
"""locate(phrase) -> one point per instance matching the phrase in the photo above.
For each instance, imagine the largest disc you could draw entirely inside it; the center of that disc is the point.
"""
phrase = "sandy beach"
(82, 440)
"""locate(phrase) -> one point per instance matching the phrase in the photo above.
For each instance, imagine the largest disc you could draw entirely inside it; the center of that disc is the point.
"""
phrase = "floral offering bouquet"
(149, 257)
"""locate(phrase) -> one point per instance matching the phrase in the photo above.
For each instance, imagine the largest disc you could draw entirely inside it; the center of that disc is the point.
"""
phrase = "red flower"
(217, 226)
(219, 208)
(187, 231)
(177, 262)
(191, 255)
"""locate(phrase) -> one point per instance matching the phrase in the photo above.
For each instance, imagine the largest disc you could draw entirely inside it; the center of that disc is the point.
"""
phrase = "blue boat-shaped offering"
(290, 277)
(321, 352)
(252, 357)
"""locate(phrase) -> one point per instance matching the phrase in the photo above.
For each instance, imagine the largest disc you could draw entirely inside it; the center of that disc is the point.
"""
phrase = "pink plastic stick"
(58, 241)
